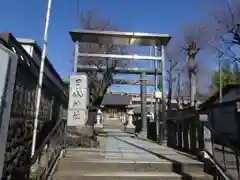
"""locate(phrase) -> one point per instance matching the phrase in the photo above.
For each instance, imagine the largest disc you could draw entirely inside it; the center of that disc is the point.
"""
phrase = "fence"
(52, 109)
(199, 131)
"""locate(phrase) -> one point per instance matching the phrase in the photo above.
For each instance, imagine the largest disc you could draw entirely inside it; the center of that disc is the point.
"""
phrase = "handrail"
(224, 140)
(218, 166)
(38, 152)
(46, 140)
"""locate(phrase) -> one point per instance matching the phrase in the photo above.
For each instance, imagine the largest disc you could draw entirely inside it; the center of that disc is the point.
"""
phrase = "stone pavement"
(122, 156)
(120, 145)
(115, 148)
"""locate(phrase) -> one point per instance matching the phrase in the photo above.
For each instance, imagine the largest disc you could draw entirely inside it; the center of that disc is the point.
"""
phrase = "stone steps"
(96, 166)
(129, 176)
(127, 158)
(124, 165)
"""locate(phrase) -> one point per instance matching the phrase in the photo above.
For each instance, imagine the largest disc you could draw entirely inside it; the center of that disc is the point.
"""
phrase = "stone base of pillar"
(123, 128)
(130, 128)
(164, 142)
(142, 135)
(98, 127)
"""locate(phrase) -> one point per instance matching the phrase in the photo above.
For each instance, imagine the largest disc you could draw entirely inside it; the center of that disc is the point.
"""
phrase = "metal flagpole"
(40, 80)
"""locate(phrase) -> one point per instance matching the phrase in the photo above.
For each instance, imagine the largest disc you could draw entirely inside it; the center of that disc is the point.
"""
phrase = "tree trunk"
(169, 94)
(192, 79)
(194, 88)
(179, 92)
(170, 83)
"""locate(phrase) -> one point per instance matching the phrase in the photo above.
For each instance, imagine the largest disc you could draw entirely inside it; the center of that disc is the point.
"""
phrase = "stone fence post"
(205, 135)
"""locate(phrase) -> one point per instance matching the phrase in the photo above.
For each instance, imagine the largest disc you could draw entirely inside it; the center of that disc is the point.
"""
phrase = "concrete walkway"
(115, 148)
(119, 145)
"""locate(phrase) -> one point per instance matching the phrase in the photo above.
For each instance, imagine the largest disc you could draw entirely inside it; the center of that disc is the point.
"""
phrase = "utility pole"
(220, 79)
(40, 80)
(220, 54)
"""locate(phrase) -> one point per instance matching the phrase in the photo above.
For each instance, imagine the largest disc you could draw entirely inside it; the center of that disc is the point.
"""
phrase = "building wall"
(136, 98)
(224, 119)
(230, 96)
(113, 113)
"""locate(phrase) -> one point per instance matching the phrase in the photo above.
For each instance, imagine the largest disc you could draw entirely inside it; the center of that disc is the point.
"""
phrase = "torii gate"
(159, 41)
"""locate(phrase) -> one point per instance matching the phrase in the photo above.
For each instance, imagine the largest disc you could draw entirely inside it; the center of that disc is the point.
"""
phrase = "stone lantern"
(130, 127)
(150, 116)
(99, 119)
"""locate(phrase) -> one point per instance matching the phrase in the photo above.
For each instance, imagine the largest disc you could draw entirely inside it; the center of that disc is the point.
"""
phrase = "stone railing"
(186, 133)
(197, 132)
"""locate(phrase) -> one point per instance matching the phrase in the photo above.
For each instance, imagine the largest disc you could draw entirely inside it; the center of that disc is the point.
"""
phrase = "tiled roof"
(215, 96)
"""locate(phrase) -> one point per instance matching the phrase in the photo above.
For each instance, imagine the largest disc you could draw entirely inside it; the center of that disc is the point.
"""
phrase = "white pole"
(156, 101)
(163, 94)
(40, 80)
(152, 103)
(220, 79)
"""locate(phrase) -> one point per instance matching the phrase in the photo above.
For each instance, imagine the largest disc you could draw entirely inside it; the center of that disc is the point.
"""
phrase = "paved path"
(117, 145)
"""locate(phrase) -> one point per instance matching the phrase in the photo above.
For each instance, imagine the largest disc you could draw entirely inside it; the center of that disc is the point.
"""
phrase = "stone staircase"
(112, 124)
(122, 157)
(70, 169)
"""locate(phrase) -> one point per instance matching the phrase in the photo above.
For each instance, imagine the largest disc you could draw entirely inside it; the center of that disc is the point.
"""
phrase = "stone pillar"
(143, 133)
(99, 119)
(130, 127)
(143, 102)
(207, 143)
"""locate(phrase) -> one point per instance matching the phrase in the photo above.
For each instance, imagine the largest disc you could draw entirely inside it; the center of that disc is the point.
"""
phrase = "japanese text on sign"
(78, 100)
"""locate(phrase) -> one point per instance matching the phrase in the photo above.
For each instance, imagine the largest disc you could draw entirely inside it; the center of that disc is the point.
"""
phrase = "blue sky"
(26, 20)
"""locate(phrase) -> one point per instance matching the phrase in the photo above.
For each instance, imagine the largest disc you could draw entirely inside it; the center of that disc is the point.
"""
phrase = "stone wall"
(18, 149)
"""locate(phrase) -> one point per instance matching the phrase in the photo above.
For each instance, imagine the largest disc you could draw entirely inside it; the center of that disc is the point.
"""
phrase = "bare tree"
(174, 59)
(178, 90)
(227, 19)
(196, 38)
(99, 81)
